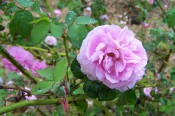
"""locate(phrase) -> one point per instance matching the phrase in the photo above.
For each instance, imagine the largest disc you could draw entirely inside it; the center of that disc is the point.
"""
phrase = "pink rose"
(32, 97)
(37, 65)
(105, 18)
(156, 90)
(24, 57)
(151, 1)
(113, 56)
(87, 11)
(57, 12)
(51, 40)
(171, 90)
(146, 25)
(147, 91)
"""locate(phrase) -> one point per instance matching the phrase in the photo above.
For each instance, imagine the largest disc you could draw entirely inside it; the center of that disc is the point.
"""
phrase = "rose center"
(108, 62)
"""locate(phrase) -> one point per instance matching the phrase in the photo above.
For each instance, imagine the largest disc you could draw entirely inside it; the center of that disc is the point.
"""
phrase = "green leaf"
(46, 73)
(169, 109)
(107, 94)
(42, 87)
(74, 5)
(60, 70)
(77, 34)
(172, 73)
(39, 31)
(11, 7)
(85, 20)
(36, 7)
(25, 3)
(70, 17)
(127, 98)
(19, 26)
(91, 88)
(89, 28)
(56, 30)
(61, 4)
(40, 19)
(75, 68)
(78, 91)
(58, 90)
(81, 105)
(169, 19)
(96, 89)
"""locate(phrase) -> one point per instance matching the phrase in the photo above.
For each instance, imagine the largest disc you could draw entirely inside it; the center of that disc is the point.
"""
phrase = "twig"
(67, 57)
(66, 50)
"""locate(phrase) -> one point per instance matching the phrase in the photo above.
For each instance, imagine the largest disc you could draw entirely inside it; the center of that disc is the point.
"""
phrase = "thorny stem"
(66, 50)
(67, 57)
(14, 87)
(18, 66)
(26, 103)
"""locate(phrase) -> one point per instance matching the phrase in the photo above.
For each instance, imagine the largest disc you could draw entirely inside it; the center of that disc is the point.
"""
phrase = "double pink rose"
(113, 56)
(25, 58)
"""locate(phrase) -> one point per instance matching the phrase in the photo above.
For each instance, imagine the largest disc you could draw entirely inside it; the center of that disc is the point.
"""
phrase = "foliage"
(26, 23)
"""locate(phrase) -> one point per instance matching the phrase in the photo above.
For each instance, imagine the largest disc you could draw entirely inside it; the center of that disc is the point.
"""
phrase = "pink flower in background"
(147, 91)
(105, 18)
(171, 90)
(146, 25)
(32, 97)
(156, 90)
(57, 12)
(151, 1)
(9, 83)
(113, 56)
(87, 11)
(24, 57)
(37, 65)
(165, 4)
(51, 40)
